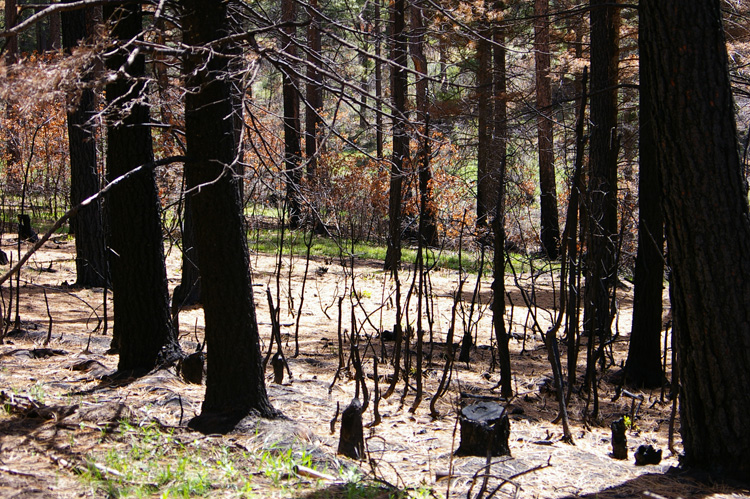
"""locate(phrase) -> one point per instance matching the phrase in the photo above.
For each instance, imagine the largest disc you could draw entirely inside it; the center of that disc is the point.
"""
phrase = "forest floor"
(66, 431)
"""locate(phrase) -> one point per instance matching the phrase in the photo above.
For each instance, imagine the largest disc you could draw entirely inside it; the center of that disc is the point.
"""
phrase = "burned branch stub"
(352, 441)
(485, 429)
(277, 362)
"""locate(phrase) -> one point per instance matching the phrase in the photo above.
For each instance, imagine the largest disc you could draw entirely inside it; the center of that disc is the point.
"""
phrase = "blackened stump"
(646, 454)
(619, 439)
(485, 429)
(351, 441)
(192, 367)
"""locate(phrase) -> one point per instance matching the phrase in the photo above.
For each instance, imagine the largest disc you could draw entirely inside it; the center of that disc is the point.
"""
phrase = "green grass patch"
(267, 241)
(151, 461)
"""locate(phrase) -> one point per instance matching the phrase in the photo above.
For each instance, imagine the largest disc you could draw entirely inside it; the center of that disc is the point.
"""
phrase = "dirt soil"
(57, 406)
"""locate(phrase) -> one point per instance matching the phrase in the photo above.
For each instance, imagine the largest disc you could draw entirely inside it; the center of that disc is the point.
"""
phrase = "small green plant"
(362, 293)
(37, 392)
(630, 425)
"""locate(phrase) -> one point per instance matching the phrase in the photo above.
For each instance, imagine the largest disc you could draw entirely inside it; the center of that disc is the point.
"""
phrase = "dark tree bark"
(486, 185)
(313, 90)
(88, 224)
(500, 147)
(12, 147)
(234, 380)
(290, 90)
(143, 332)
(11, 19)
(188, 292)
(400, 138)
(643, 367)
(707, 227)
(485, 429)
(602, 188)
(550, 228)
(378, 83)
(428, 225)
(570, 243)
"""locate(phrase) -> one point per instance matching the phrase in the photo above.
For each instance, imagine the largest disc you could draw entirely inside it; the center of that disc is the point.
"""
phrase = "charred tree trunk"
(486, 187)
(400, 138)
(601, 273)
(11, 19)
(708, 227)
(485, 430)
(290, 90)
(143, 332)
(188, 292)
(643, 367)
(378, 83)
(351, 439)
(88, 224)
(234, 380)
(500, 145)
(428, 224)
(547, 184)
(313, 90)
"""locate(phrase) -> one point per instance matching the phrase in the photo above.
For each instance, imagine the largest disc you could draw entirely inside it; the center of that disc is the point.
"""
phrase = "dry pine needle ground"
(66, 433)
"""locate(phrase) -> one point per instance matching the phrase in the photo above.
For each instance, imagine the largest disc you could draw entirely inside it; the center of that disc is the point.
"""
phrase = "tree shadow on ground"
(675, 483)
(354, 490)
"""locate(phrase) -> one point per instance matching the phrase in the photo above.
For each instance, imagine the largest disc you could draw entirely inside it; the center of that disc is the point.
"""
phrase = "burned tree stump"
(619, 440)
(191, 367)
(485, 429)
(352, 441)
(646, 454)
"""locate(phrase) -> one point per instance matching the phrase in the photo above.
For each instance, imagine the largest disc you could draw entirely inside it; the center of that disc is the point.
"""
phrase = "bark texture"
(290, 86)
(143, 331)
(486, 185)
(400, 138)
(643, 367)
(550, 227)
(707, 227)
(234, 379)
(313, 90)
(500, 146)
(88, 224)
(602, 187)
(428, 224)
